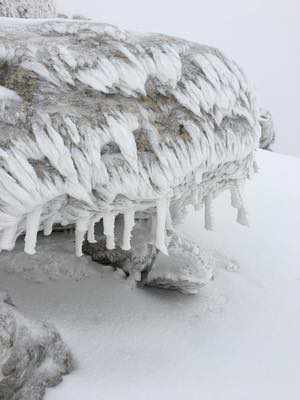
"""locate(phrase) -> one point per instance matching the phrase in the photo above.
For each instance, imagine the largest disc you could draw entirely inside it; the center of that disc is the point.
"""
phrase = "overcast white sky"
(262, 35)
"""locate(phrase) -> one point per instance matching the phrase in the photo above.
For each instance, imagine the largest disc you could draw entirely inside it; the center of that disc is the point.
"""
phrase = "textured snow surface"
(238, 339)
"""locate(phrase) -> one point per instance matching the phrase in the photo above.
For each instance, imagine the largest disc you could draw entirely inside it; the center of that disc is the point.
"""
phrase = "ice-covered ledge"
(99, 123)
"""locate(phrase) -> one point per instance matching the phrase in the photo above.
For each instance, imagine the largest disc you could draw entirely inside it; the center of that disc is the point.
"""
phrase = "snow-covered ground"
(238, 339)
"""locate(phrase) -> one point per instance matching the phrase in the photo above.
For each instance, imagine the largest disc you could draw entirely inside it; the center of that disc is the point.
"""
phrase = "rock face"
(32, 355)
(27, 8)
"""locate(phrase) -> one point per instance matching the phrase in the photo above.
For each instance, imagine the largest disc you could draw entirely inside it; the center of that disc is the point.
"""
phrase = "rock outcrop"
(32, 355)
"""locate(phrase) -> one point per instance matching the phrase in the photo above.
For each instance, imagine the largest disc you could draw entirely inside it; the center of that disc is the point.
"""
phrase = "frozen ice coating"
(27, 8)
(100, 122)
(32, 227)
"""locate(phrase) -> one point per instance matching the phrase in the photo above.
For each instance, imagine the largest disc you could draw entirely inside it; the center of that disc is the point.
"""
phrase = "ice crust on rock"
(123, 123)
(186, 269)
(33, 356)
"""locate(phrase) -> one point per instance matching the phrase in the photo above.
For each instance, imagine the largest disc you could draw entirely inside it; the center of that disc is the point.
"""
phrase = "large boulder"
(33, 355)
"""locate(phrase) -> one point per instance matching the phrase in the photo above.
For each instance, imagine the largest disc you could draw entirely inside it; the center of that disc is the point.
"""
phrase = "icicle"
(128, 226)
(255, 167)
(48, 225)
(162, 205)
(32, 227)
(208, 213)
(235, 195)
(91, 230)
(237, 202)
(242, 217)
(109, 230)
(80, 232)
(8, 237)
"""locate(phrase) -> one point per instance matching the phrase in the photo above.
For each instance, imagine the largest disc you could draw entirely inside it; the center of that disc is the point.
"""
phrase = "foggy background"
(263, 36)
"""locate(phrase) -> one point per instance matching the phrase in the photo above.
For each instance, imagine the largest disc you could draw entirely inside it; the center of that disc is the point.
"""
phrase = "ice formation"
(98, 124)
(267, 138)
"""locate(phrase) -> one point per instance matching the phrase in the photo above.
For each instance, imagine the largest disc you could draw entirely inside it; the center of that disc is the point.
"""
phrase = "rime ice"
(122, 125)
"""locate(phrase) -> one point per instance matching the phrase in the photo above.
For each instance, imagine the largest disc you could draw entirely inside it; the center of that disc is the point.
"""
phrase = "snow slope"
(237, 340)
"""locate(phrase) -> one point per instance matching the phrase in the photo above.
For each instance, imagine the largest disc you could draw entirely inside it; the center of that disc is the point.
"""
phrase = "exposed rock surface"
(98, 122)
(32, 355)
(27, 8)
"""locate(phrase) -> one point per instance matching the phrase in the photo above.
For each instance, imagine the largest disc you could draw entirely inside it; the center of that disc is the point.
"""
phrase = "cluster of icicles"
(85, 226)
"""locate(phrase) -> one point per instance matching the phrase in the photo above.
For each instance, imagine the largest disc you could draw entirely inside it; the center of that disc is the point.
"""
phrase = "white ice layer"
(238, 203)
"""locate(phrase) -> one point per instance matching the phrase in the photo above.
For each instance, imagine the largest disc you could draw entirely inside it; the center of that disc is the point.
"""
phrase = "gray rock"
(33, 355)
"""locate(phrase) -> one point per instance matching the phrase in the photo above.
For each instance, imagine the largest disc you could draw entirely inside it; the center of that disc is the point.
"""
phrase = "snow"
(238, 339)
(136, 142)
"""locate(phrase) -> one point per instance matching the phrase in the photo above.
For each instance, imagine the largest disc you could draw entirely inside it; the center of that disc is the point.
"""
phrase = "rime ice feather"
(125, 124)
